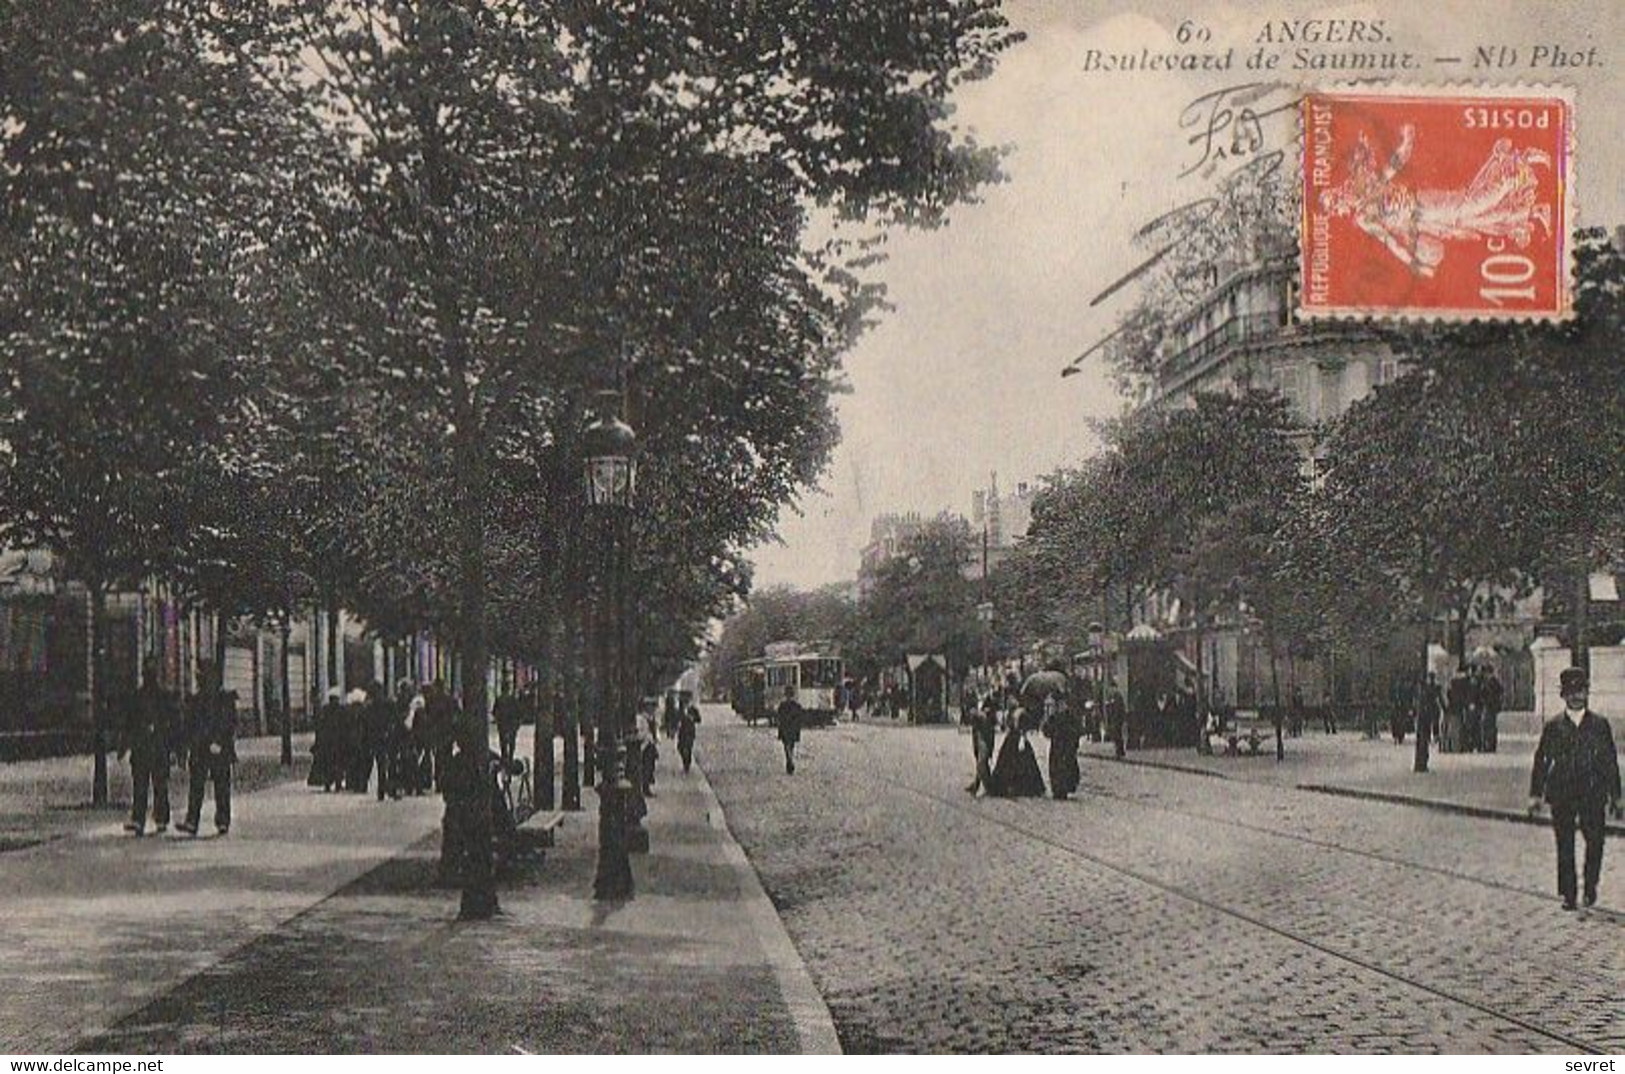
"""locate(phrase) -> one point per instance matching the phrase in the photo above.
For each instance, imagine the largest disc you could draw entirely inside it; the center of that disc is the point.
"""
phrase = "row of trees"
(1490, 467)
(304, 302)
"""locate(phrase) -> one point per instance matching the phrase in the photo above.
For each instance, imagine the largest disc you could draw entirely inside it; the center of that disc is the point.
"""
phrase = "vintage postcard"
(696, 527)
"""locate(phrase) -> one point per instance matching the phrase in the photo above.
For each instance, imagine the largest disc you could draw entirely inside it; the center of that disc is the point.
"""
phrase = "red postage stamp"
(1447, 204)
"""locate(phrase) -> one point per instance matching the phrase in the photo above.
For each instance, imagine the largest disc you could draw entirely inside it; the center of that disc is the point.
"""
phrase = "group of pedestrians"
(398, 746)
(199, 733)
(1013, 772)
(1462, 717)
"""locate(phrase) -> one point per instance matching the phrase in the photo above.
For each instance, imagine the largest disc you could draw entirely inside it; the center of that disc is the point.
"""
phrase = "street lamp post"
(609, 448)
(984, 615)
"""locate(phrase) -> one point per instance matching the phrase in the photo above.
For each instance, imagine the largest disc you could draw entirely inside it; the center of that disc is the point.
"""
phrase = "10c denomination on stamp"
(1448, 204)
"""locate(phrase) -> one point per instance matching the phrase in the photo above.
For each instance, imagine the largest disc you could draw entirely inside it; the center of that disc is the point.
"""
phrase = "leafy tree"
(1558, 397)
(1218, 481)
(922, 602)
(123, 333)
(1426, 494)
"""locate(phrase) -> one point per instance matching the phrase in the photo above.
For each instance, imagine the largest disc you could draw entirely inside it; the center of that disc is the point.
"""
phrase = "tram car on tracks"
(815, 672)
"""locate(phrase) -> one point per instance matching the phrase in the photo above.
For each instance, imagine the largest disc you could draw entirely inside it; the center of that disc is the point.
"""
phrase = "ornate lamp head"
(609, 456)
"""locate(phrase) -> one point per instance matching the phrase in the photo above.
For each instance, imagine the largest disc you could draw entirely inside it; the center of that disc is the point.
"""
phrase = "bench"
(1236, 739)
(544, 825)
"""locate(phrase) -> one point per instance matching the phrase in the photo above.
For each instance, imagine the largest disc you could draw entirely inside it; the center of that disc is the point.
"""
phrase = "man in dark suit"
(1116, 717)
(983, 730)
(151, 737)
(789, 720)
(1576, 772)
(1492, 695)
(212, 738)
(1429, 702)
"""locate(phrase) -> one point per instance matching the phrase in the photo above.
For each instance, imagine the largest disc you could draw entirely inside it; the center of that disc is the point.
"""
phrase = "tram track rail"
(959, 805)
(1602, 913)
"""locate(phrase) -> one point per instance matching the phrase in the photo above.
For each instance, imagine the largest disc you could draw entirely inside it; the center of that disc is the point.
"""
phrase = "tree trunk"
(1579, 616)
(1458, 633)
(570, 699)
(1201, 682)
(96, 669)
(254, 679)
(1275, 686)
(1275, 666)
(548, 693)
(286, 681)
(479, 900)
(221, 619)
(335, 646)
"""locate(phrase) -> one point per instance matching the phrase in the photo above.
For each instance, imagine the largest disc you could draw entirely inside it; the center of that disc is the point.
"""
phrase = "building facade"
(999, 520)
(887, 535)
(1241, 335)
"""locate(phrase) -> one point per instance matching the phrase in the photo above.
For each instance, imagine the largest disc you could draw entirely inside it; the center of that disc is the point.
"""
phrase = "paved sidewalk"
(49, 798)
(96, 923)
(697, 962)
(1490, 785)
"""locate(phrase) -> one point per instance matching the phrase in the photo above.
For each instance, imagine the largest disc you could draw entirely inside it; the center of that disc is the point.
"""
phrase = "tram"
(814, 672)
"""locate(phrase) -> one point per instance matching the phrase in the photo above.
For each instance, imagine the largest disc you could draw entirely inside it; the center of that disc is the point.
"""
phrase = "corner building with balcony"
(1241, 334)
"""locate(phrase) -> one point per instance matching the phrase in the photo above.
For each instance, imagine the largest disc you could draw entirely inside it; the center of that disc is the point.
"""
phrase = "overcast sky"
(964, 377)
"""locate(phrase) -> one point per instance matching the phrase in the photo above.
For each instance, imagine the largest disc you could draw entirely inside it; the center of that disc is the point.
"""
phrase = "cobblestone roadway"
(1168, 912)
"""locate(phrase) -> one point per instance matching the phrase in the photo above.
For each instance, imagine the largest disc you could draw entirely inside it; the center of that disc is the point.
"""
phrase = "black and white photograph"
(811, 527)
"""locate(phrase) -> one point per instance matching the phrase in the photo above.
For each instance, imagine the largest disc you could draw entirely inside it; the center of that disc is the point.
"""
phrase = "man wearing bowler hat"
(1576, 772)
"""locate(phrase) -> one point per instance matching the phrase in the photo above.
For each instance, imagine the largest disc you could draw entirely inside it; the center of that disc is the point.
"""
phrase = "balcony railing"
(1241, 328)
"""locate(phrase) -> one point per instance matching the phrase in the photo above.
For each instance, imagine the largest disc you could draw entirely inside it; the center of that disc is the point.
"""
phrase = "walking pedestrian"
(1576, 772)
(790, 715)
(1491, 697)
(1429, 702)
(1399, 709)
(649, 745)
(1064, 731)
(403, 765)
(1116, 718)
(211, 738)
(688, 726)
(1457, 698)
(418, 743)
(150, 738)
(983, 732)
(357, 742)
(1474, 725)
(506, 714)
(1015, 772)
(381, 725)
(324, 761)
(440, 711)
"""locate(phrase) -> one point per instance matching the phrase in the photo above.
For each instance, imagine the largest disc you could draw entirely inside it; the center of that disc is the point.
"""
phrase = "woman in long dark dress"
(1015, 773)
